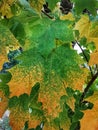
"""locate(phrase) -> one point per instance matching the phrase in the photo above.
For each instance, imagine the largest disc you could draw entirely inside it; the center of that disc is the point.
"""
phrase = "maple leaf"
(5, 8)
(52, 4)
(25, 107)
(48, 61)
(91, 118)
(83, 25)
(90, 5)
(48, 58)
(69, 16)
(93, 35)
(7, 40)
(37, 4)
(93, 56)
(45, 54)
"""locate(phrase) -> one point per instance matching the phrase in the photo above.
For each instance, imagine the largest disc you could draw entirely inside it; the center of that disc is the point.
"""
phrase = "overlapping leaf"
(28, 104)
(37, 4)
(52, 4)
(42, 35)
(90, 5)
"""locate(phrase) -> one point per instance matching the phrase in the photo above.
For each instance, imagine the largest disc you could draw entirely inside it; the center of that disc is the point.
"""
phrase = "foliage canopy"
(44, 81)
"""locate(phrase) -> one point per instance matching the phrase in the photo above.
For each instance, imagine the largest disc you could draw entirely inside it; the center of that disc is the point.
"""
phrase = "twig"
(84, 57)
(88, 86)
(47, 15)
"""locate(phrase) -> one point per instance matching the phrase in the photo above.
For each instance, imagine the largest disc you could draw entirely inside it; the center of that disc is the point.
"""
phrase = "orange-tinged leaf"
(93, 58)
(76, 80)
(3, 103)
(33, 122)
(51, 104)
(22, 81)
(18, 118)
(91, 116)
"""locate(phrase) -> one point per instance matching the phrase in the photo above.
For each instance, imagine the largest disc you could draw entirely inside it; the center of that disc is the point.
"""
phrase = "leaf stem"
(84, 56)
(88, 86)
(47, 15)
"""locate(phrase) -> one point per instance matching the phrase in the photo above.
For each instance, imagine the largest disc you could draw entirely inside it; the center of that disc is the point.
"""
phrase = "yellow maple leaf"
(69, 16)
(83, 25)
(6, 10)
(37, 5)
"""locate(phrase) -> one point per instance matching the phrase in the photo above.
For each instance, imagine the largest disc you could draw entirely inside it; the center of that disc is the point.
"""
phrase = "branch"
(88, 86)
(85, 57)
(47, 15)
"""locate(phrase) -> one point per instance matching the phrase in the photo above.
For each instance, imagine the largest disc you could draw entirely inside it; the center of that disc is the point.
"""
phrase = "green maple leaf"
(63, 119)
(6, 37)
(43, 50)
(52, 3)
(5, 89)
(5, 77)
(57, 64)
(90, 5)
(44, 32)
(18, 30)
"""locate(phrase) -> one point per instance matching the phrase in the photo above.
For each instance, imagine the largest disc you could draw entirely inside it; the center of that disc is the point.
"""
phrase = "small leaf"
(91, 46)
(5, 77)
(89, 93)
(18, 31)
(87, 53)
(52, 3)
(77, 116)
(38, 128)
(69, 91)
(63, 99)
(63, 116)
(70, 112)
(83, 41)
(5, 89)
(77, 95)
(13, 102)
(75, 126)
(26, 126)
(24, 101)
(34, 92)
(77, 34)
(86, 105)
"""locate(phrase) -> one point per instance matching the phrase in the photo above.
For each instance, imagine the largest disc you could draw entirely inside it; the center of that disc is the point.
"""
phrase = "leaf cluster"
(28, 102)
